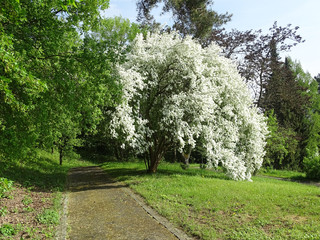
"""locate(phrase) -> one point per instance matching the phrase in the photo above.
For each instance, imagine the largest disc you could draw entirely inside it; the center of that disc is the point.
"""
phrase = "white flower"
(175, 91)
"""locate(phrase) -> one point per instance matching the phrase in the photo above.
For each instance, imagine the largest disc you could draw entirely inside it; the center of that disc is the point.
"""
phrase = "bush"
(312, 167)
(5, 186)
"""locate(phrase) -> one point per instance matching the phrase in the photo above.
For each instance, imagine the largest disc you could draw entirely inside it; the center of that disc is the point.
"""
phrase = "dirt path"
(99, 208)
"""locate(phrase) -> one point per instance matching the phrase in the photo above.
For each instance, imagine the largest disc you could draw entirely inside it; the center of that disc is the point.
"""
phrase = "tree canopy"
(191, 17)
(175, 93)
(49, 91)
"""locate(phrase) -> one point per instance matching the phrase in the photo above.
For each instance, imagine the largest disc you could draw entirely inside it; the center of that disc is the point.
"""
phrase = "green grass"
(294, 175)
(7, 230)
(38, 173)
(209, 206)
(42, 171)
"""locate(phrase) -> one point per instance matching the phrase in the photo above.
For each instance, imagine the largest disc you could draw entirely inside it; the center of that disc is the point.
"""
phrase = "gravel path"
(99, 208)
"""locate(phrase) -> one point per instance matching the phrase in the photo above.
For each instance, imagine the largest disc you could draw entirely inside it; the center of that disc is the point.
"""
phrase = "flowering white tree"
(176, 92)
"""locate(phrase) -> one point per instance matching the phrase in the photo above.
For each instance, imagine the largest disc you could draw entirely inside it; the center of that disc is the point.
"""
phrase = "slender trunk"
(60, 155)
(155, 155)
(259, 103)
(146, 162)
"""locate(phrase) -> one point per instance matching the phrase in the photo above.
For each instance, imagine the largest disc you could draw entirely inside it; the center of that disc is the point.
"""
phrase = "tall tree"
(253, 52)
(310, 143)
(290, 96)
(317, 78)
(108, 44)
(49, 92)
(193, 17)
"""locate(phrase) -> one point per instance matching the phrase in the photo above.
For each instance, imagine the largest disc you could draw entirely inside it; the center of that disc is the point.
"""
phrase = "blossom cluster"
(174, 87)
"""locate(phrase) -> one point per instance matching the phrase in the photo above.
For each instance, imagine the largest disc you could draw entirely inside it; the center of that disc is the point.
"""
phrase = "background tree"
(317, 78)
(292, 96)
(191, 17)
(51, 92)
(109, 43)
(310, 142)
(175, 92)
(253, 52)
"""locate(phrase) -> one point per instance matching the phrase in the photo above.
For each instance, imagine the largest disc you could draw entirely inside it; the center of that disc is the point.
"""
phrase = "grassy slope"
(40, 180)
(294, 175)
(207, 205)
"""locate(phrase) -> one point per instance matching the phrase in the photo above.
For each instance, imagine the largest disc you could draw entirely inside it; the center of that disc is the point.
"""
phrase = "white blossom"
(174, 87)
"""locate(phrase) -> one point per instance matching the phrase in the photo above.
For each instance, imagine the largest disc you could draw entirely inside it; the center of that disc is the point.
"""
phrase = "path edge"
(160, 219)
(61, 231)
(62, 228)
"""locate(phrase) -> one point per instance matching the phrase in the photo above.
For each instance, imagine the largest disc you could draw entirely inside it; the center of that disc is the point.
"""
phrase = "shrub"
(312, 167)
(5, 186)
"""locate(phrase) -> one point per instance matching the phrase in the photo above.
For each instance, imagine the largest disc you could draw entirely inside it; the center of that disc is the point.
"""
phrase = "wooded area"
(60, 83)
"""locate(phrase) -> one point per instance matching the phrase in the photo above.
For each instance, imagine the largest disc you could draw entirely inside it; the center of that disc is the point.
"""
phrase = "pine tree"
(286, 97)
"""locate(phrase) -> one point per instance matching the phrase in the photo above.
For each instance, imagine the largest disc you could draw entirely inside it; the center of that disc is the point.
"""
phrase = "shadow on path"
(99, 208)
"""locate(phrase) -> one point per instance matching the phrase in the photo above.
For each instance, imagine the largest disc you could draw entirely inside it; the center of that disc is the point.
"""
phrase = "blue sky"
(258, 14)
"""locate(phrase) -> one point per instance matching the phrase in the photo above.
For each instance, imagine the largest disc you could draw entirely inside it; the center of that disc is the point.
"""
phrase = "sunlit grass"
(208, 205)
(282, 174)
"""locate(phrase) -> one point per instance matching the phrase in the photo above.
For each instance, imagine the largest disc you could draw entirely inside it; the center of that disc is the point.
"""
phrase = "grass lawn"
(294, 175)
(30, 206)
(207, 205)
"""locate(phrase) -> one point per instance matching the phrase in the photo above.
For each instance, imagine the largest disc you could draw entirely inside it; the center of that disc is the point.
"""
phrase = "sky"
(257, 14)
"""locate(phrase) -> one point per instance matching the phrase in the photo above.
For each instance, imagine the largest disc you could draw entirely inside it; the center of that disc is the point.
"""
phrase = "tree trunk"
(153, 165)
(60, 155)
(155, 155)
(154, 160)
(186, 156)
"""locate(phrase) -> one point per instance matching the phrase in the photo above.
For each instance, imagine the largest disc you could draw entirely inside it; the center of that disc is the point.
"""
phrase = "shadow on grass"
(123, 173)
(42, 174)
(40, 171)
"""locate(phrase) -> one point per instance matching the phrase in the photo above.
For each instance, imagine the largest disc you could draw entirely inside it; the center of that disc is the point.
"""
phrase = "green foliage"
(282, 174)
(312, 166)
(5, 186)
(105, 47)
(190, 17)
(281, 144)
(51, 88)
(7, 230)
(294, 120)
(3, 211)
(42, 171)
(114, 36)
(275, 148)
(48, 217)
(184, 166)
(311, 143)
